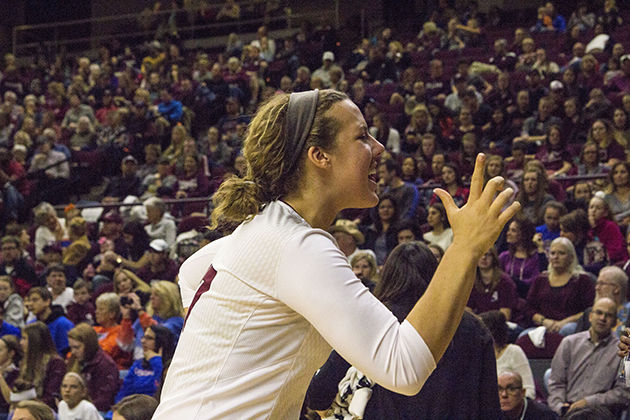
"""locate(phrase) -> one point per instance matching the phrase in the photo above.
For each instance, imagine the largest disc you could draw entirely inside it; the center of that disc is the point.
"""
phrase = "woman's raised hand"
(479, 222)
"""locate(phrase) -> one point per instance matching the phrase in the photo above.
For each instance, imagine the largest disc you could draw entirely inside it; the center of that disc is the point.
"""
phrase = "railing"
(168, 202)
(78, 35)
(562, 179)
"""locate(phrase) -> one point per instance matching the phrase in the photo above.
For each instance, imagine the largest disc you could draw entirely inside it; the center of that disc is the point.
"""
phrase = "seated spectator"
(84, 137)
(169, 108)
(167, 309)
(385, 133)
(16, 266)
(75, 402)
(328, 59)
(364, 266)
(6, 328)
(160, 183)
(128, 183)
(32, 409)
(192, 182)
(405, 194)
(605, 230)
(536, 127)
(550, 230)
(533, 194)
(38, 301)
(618, 198)
(50, 228)
(610, 152)
(160, 266)
(554, 154)
(379, 236)
(409, 171)
(452, 182)
(218, 152)
(75, 112)
(145, 375)
(598, 107)
(41, 365)
(558, 297)
(543, 65)
(81, 309)
(348, 237)
(11, 302)
(51, 170)
(135, 407)
(161, 225)
(91, 362)
(108, 329)
(504, 59)
(515, 405)
(510, 357)
(11, 354)
(621, 127)
(56, 281)
(523, 260)
(408, 230)
(493, 289)
(441, 233)
(498, 134)
(584, 370)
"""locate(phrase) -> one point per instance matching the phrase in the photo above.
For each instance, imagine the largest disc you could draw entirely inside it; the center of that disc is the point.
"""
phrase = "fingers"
(446, 199)
(476, 182)
(509, 213)
(493, 186)
(500, 201)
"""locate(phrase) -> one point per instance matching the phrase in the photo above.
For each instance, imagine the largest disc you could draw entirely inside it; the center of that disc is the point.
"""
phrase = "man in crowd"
(15, 265)
(514, 404)
(405, 194)
(584, 370)
(39, 302)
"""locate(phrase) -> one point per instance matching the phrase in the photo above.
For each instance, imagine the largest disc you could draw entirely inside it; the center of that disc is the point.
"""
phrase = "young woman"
(89, 360)
(75, 403)
(145, 374)
(533, 193)
(10, 357)
(365, 268)
(610, 151)
(605, 230)
(378, 236)
(493, 289)
(554, 155)
(441, 233)
(298, 179)
(618, 198)
(41, 365)
(524, 259)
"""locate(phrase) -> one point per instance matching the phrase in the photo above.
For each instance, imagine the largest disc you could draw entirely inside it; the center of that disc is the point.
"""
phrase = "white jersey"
(283, 294)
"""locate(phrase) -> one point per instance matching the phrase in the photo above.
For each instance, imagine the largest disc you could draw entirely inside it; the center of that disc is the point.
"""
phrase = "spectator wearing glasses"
(515, 405)
(15, 265)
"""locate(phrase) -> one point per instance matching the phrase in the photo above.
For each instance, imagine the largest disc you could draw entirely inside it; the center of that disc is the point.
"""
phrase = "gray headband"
(300, 115)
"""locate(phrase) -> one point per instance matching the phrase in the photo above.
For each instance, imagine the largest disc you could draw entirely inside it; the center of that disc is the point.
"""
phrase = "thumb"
(446, 199)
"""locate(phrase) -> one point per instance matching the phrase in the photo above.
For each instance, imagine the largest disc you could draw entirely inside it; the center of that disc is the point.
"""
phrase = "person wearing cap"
(328, 60)
(126, 184)
(265, 303)
(348, 237)
(160, 266)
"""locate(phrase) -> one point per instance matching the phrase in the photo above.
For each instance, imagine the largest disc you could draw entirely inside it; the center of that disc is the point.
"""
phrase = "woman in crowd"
(523, 259)
(618, 197)
(108, 329)
(575, 227)
(533, 194)
(161, 225)
(218, 152)
(75, 402)
(410, 171)
(441, 233)
(421, 121)
(175, 149)
(137, 243)
(498, 134)
(495, 166)
(145, 375)
(89, 360)
(493, 289)
(602, 133)
(365, 268)
(553, 154)
(192, 182)
(510, 357)
(10, 357)
(621, 128)
(127, 282)
(334, 133)
(558, 296)
(75, 254)
(379, 237)
(50, 228)
(41, 364)
(453, 183)
(605, 230)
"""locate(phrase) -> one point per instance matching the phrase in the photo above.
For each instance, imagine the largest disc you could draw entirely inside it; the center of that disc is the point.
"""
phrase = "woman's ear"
(318, 157)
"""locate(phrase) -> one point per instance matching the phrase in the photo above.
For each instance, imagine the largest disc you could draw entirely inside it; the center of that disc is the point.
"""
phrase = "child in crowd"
(82, 308)
(550, 230)
(75, 403)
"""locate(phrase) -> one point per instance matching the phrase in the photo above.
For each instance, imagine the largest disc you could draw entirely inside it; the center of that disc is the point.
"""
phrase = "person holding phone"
(145, 374)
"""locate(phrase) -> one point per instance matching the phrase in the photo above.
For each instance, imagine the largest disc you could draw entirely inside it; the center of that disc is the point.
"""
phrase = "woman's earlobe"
(318, 157)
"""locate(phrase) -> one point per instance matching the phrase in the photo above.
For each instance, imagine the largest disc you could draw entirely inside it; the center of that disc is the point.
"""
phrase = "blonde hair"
(171, 302)
(239, 199)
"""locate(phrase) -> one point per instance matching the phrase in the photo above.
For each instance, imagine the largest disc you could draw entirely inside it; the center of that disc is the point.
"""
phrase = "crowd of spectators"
(93, 292)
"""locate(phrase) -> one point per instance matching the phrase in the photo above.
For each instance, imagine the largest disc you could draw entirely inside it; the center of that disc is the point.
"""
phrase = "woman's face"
(148, 340)
(599, 131)
(406, 235)
(156, 300)
(559, 258)
(361, 269)
(24, 342)
(434, 217)
(102, 313)
(448, 175)
(386, 210)
(469, 147)
(428, 146)
(596, 209)
(5, 290)
(71, 391)
(570, 108)
(513, 235)
(421, 118)
(497, 116)
(190, 165)
(77, 348)
(552, 218)
(465, 117)
(619, 119)
(408, 167)
(125, 285)
(620, 176)
(530, 183)
(582, 191)
(485, 261)
(493, 168)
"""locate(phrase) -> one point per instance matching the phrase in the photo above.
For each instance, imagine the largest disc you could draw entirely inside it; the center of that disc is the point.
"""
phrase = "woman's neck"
(622, 190)
(439, 228)
(486, 275)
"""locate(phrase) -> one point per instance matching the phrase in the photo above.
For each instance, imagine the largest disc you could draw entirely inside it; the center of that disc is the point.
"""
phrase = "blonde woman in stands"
(278, 293)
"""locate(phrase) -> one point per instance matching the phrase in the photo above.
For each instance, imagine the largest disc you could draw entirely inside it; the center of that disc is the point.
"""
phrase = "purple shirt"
(560, 302)
(503, 296)
(521, 271)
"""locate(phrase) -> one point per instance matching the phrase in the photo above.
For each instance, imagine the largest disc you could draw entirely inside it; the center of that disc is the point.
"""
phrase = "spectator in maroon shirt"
(160, 266)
